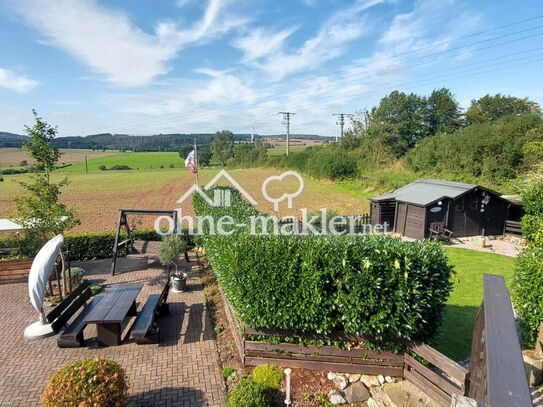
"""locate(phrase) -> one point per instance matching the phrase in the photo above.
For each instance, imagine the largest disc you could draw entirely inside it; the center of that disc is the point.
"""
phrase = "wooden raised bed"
(441, 379)
(14, 271)
(363, 361)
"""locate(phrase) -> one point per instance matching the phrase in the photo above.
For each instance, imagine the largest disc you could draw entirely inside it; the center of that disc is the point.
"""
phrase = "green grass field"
(141, 161)
(467, 296)
(280, 150)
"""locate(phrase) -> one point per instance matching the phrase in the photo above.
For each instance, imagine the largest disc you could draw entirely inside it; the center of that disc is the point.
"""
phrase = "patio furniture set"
(111, 313)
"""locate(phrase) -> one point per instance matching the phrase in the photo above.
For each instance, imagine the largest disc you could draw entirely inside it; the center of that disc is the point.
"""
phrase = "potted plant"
(170, 250)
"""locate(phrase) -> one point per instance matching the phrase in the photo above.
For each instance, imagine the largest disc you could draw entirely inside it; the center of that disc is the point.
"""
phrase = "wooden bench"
(146, 329)
(72, 337)
(61, 314)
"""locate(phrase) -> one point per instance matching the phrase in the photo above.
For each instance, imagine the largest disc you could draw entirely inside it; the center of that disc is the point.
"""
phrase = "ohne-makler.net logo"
(324, 222)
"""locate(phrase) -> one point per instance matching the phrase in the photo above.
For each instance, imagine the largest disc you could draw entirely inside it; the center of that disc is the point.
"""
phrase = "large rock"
(353, 378)
(356, 393)
(336, 398)
(397, 395)
(369, 380)
(341, 382)
(533, 363)
(374, 403)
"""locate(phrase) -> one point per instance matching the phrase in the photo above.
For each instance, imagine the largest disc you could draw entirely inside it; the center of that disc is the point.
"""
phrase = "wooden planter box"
(14, 271)
(441, 380)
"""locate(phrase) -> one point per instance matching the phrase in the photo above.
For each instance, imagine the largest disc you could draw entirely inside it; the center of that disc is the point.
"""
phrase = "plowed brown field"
(98, 197)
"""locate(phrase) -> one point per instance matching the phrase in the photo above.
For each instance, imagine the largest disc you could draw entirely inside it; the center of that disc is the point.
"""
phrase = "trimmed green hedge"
(527, 284)
(84, 246)
(370, 285)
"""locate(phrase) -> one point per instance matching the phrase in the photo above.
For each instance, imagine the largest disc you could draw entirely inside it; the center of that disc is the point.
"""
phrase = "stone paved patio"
(183, 370)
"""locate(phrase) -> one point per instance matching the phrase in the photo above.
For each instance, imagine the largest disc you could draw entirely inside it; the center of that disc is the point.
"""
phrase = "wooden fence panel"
(498, 378)
(442, 381)
(513, 227)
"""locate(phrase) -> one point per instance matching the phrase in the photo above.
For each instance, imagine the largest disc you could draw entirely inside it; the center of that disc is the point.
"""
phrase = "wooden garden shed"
(465, 209)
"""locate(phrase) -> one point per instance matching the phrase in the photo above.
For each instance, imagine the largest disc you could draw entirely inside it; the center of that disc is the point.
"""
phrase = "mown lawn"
(466, 297)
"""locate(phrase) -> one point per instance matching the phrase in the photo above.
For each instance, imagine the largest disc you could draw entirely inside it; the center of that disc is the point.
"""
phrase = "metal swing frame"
(123, 222)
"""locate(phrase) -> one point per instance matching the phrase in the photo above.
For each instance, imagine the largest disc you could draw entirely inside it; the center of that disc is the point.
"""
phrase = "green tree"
(443, 113)
(204, 156)
(222, 146)
(40, 211)
(399, 121)
(490, 108)
(184, 152)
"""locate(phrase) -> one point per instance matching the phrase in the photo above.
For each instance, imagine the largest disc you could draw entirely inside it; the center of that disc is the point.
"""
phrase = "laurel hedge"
(527, 284)
(375, 286)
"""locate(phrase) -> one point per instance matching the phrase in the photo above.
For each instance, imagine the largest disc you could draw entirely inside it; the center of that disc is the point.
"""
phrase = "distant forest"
(156, 142)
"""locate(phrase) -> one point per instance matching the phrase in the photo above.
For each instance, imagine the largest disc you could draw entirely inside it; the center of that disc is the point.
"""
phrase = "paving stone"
(183, 370)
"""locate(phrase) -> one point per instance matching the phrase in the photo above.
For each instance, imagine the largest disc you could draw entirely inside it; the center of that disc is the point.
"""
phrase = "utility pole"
(340, 122)
(253, 133)
(286, 122)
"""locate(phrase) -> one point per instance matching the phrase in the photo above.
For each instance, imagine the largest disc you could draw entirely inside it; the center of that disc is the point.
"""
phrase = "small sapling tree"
(40, 211)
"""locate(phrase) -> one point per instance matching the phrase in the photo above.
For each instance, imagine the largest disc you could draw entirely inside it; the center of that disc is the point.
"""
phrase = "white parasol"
(41, 269)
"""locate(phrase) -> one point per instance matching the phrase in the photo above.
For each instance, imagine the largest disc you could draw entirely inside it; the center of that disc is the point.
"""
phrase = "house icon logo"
(220, 197)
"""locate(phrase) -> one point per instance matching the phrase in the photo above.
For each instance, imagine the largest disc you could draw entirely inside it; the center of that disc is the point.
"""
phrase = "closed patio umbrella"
(40, 271)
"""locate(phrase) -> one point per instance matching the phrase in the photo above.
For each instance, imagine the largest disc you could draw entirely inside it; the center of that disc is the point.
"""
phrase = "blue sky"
(144, 67)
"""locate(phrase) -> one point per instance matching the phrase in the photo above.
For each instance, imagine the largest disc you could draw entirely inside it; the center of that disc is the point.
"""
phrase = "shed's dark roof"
(425, 191)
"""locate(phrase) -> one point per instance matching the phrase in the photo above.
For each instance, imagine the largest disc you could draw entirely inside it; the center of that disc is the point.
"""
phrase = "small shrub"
(268, 376)
(95, 289)
(120, 168)
(249, 393)
(102, 167)
(228, 371)
(77, 274)
(96, 382)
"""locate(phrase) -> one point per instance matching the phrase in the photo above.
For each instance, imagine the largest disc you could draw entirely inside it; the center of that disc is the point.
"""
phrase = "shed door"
(399, 225)
(474, 216)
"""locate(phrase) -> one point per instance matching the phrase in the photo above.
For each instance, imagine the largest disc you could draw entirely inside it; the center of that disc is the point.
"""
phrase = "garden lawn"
(467, 296)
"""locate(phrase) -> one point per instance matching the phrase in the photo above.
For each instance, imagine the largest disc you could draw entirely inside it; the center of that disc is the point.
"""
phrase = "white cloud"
(260, 42)
(265, 50)
(215, 21)
(107, 41)
(18, 83)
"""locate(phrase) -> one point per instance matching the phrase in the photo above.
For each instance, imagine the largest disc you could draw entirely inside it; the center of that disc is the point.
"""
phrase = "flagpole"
(196, 162)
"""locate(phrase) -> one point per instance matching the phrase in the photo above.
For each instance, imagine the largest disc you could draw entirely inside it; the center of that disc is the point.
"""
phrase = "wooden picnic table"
(113, 312)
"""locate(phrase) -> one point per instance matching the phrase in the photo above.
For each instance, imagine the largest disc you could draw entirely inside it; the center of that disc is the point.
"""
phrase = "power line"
(286, 122)
(410, 81)
(432, 78)
(161, 117)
